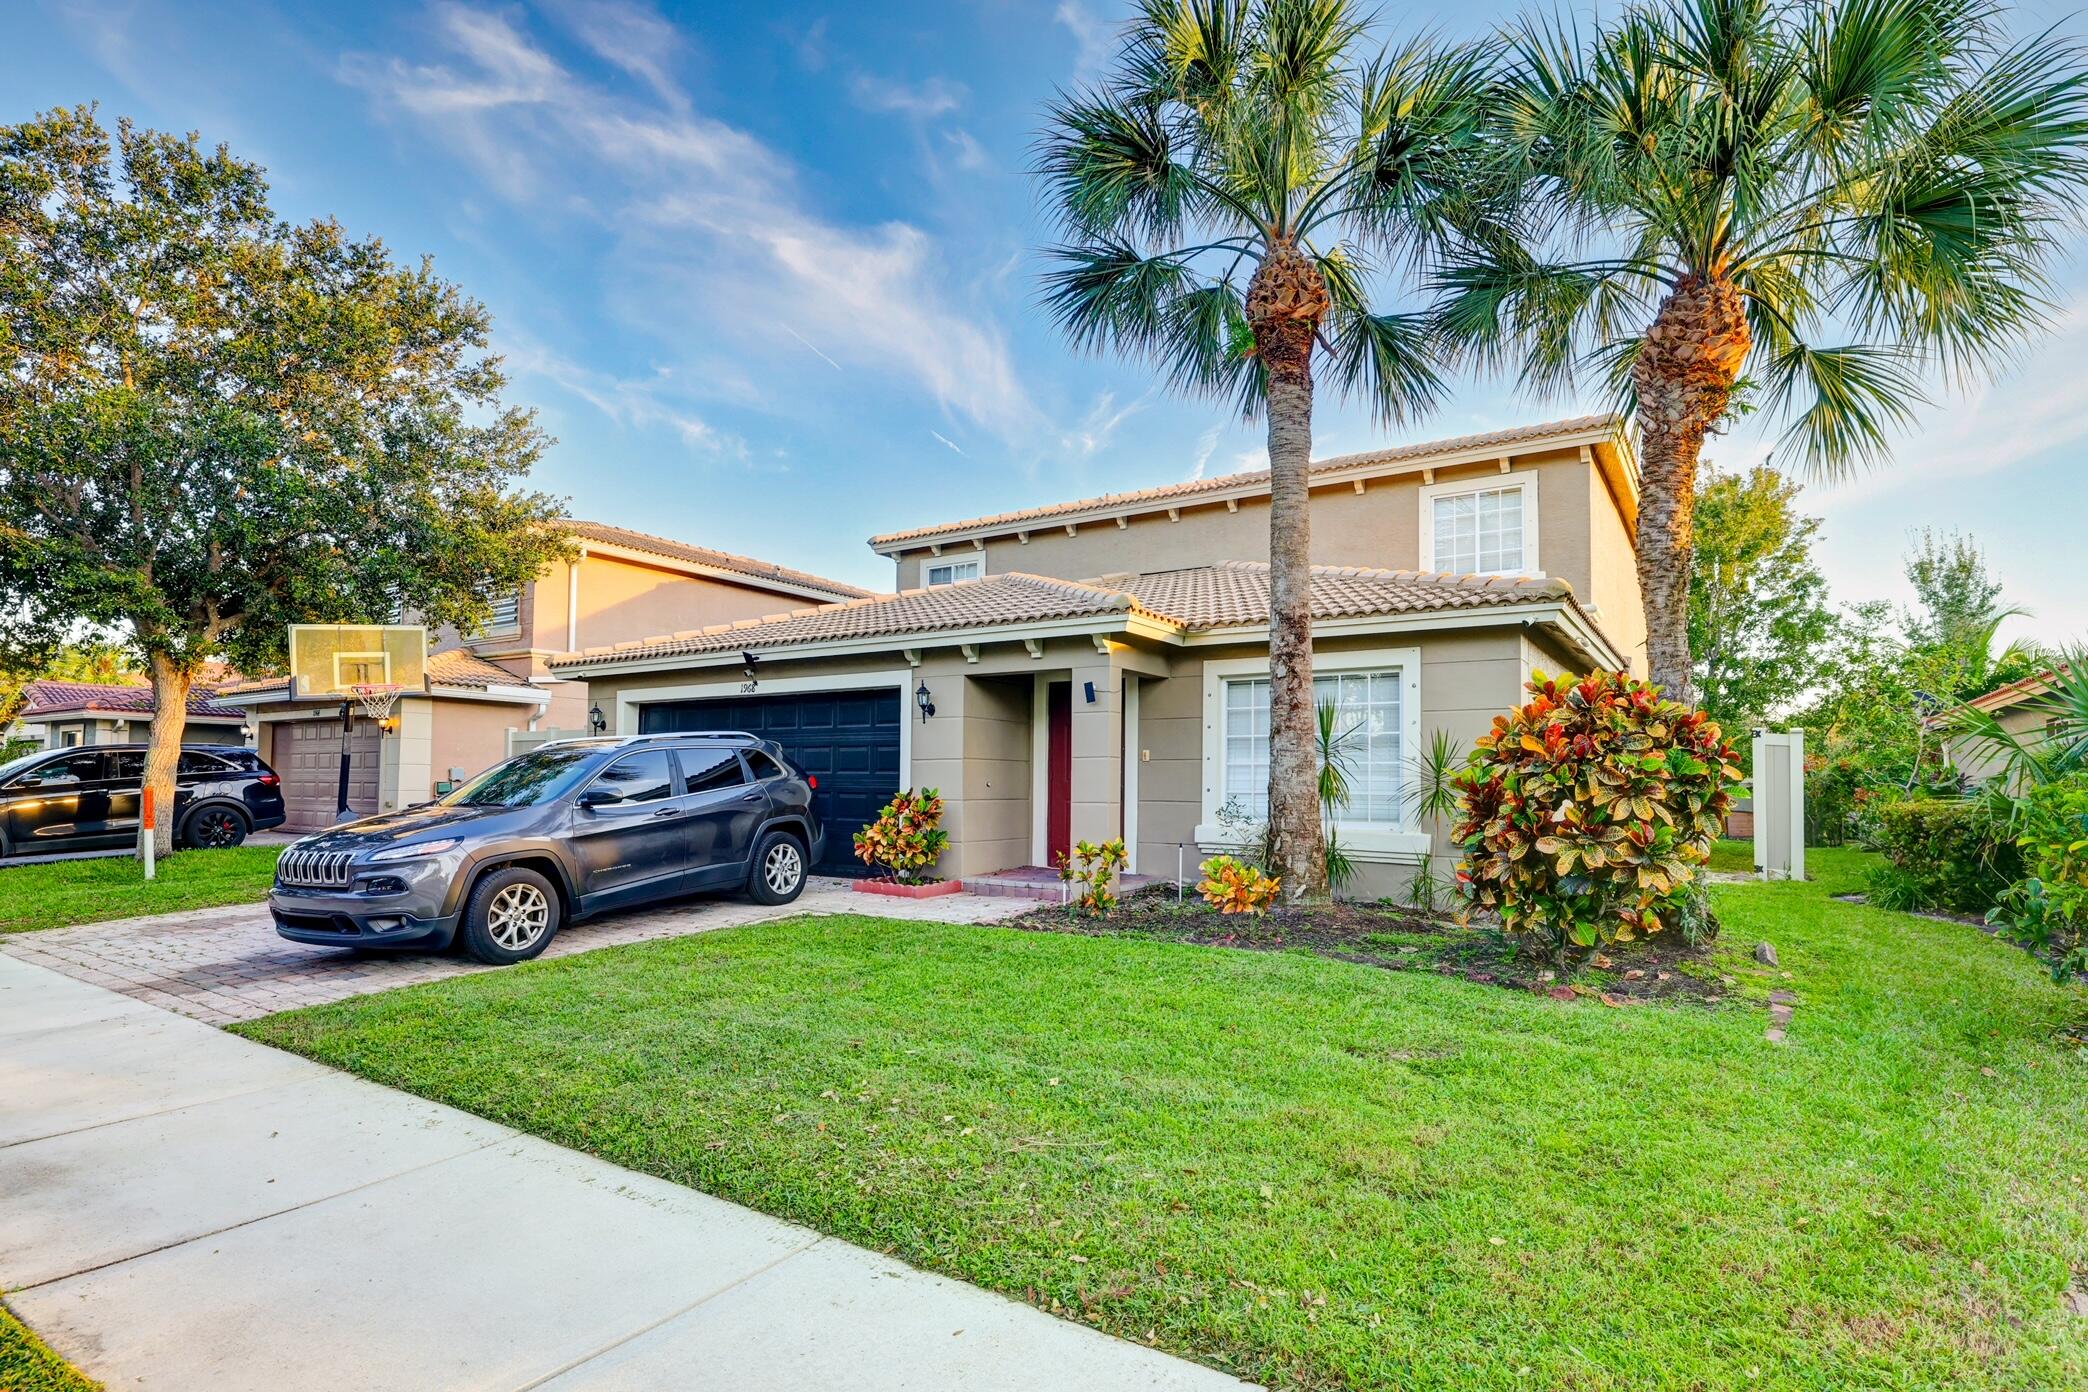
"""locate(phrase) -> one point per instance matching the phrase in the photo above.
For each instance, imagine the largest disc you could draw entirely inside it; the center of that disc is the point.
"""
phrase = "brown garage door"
(308, 756)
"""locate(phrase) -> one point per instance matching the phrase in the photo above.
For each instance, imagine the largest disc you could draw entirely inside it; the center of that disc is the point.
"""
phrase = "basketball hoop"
(376, 698)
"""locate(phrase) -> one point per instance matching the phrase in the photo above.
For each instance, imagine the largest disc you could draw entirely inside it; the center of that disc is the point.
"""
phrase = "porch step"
(1040, 883)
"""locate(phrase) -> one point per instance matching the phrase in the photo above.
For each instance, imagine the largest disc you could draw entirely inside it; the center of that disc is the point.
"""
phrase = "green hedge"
(1942, 854)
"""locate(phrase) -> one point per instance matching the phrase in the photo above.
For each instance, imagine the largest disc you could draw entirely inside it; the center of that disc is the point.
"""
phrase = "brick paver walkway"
(227, 964)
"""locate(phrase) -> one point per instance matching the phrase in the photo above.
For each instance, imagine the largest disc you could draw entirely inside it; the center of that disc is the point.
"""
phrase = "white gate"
(1779, 805)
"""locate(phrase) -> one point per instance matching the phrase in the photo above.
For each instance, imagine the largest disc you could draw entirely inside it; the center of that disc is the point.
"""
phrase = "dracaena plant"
(1831, 205)
(1233, 198)
(1585, 815)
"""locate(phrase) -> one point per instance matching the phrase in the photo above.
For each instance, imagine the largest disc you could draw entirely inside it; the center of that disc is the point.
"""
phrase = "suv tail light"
(812, 780)
(269, 780)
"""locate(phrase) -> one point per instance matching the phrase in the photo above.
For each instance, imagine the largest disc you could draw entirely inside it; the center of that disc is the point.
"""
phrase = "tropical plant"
(1235, 887)
(907, 838)
(214, 424)
(1586, 814)
(1336, 746)
(2057, 748)
(2047, 909)
(1429, 795)
(1695, 198)
(1226, 196)
(1094, 869)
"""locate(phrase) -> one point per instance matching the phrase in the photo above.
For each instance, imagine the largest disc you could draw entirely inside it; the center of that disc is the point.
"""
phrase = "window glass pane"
(1480, 532)
(707, 769)
(762, 765)
(1368, 728)
(130, 766)
(949, 572)
(640, 777)
(77, 768)
(190, 762)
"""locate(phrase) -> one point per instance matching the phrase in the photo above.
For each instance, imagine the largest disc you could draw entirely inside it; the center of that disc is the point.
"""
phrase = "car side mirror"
(27, 780)
(600, 797)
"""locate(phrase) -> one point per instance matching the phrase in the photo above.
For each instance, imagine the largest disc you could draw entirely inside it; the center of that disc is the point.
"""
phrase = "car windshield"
(14, 766)
(527, 780)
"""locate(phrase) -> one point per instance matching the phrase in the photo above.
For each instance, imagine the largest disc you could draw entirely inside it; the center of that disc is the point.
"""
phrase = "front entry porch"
(1042, 883)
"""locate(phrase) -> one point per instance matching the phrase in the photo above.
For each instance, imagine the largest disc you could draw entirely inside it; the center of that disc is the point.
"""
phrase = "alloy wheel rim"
(783, 868)
(216, 829)
(518, 916)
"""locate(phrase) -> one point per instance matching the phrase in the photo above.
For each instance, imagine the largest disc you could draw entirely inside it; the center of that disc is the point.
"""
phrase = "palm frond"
(1854, 396)
(1109, 168)
(1389, 360)
(1109, 295)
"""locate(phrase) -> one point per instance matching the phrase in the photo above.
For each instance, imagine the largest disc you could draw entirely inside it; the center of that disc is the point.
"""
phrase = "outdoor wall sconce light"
(594, 719)
(1090, 692)
(748, 659)
(924, 701)
(246, 734)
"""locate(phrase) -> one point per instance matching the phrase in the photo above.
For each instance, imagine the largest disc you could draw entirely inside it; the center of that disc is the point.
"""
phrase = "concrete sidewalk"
(181, 1208)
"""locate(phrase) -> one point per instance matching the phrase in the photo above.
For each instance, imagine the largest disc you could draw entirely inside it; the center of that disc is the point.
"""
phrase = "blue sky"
(769, 271)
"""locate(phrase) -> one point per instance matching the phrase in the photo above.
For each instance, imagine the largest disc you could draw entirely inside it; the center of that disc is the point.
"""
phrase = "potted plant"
(903, 845)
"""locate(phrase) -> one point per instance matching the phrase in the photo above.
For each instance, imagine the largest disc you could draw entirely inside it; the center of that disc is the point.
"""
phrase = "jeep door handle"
(668, 812)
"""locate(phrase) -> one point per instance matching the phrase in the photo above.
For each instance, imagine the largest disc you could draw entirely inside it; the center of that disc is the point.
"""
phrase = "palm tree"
(1813, 209)
(1227, 196)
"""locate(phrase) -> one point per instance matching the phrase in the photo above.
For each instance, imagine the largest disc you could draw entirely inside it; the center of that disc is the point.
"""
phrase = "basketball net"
(376, 698)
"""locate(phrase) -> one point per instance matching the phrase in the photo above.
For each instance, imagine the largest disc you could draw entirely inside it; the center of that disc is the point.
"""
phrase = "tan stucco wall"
(2025, 722)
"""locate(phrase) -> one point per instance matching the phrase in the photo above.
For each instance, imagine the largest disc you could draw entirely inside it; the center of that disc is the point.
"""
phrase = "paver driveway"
(227, 964)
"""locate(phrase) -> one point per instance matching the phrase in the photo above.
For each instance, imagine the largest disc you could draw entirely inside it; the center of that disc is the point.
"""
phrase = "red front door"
(1058, 776)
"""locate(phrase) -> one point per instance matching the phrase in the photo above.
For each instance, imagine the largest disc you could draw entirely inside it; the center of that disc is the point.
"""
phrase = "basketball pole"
(347, 733)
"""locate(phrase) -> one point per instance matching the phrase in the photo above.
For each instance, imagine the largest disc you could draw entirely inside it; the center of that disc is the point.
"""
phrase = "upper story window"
(1472, 528)
(950, 572)
(506, 615)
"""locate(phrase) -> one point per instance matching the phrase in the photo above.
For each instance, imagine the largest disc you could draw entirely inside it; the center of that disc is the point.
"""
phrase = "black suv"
(564, 831)
(90, 795)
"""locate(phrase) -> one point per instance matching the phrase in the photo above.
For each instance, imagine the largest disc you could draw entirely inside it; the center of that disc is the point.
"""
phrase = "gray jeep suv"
(560, 833)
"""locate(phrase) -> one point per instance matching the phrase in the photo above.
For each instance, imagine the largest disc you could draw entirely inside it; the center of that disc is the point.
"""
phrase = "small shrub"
(1586, 815)
(1942, 854)
(1093, 868)
(2047, 909)
(1236, 887)
(907, 837)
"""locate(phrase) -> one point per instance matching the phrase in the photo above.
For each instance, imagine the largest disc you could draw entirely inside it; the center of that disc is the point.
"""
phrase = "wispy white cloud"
(1205, 447)
(710, 219)
(934, 97)
(813, 346)
(630, 403)
(1100, 423)
(1094, 40)
(946, 440)
(635, 38)
(970, 155)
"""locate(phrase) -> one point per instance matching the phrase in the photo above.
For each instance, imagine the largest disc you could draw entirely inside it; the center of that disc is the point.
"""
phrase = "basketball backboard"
(331, 659)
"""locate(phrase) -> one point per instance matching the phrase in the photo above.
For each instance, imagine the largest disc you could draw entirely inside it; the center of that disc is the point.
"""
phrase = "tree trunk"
(170, 692)
(1285, 304)
(1685, 372)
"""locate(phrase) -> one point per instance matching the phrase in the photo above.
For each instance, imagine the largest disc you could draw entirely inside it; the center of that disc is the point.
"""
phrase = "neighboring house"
(65, 713)
(2021, 708)
(1100, 668)
(493, 689)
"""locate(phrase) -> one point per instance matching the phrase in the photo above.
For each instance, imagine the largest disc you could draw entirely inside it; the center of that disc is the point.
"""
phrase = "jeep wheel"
(778, 874)
(510, 917)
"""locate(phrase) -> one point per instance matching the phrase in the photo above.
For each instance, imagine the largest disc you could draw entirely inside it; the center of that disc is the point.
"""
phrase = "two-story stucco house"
(487, 688)
(1100, 668)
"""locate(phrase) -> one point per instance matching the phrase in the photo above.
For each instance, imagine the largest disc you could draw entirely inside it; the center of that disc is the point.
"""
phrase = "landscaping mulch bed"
(1398, 938)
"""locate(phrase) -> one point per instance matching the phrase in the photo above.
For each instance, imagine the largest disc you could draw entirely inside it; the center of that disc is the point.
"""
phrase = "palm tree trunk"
(170, 693)
(1285, 304)
(1685, 372)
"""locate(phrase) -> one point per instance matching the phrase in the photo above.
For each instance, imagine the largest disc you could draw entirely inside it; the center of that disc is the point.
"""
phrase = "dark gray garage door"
(848, 739)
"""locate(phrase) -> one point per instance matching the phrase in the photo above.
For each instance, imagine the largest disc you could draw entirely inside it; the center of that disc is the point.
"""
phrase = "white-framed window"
(950, 572)
(1377, 700)
(1481, 526)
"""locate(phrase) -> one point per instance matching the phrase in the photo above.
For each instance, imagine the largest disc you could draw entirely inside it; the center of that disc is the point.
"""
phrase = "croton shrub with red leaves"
(1585, 816)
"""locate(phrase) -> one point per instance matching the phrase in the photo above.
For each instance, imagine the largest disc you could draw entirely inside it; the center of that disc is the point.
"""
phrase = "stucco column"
(1098, 750)
(938, 752)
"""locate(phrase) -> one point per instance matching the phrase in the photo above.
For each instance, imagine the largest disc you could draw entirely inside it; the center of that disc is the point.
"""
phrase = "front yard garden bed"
(1664, 967)
(1320, 1175)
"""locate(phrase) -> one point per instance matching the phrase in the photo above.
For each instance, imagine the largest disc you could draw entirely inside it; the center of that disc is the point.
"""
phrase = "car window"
(705, 770)
(194, 761)
(74, 768)
(528, 780)
(642, 777)
(763, 765)
(130, 766)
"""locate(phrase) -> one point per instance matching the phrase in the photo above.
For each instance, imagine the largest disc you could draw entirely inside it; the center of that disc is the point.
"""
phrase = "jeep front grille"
(321, 869)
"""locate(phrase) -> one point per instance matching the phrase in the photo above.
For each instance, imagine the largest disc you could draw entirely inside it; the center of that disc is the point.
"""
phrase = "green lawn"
(63, 892)
(1325, 1175)
(28, 1365)
(1733, 856)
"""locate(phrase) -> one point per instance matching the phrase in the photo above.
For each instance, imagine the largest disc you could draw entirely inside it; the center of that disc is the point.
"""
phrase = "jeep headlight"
(417, 848)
